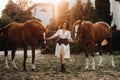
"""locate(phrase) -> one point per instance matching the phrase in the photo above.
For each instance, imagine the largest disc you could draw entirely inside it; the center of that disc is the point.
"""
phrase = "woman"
(62, 47)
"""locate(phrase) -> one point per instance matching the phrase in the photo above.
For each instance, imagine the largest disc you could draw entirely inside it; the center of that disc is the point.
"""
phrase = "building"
(43, 11)
(115, 10)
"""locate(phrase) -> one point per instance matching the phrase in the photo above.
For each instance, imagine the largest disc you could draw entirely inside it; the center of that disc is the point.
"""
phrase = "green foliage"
(103, 10)
(11, 9)
(90, 12)
(15, 13)
(22, 16)
(62, 8)
(4, 20)
(84, 12)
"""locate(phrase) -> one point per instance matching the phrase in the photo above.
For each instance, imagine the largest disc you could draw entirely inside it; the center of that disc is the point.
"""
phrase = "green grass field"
(48, 67)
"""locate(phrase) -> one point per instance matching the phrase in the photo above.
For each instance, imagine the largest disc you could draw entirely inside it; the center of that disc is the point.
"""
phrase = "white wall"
(42, 15)
(115, 9)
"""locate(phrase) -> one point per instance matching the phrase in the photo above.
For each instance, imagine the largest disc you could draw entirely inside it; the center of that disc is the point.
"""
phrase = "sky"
(2, 5)
(4, 2)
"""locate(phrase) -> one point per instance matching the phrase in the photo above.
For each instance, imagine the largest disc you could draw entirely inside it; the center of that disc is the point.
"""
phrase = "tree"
(22, 16)
(61, 16)
(77, 10)
(11, 9)
(23, 4)
(4, 20)
(90, 12)
(103, 10)
(16, 13)
(62, 8)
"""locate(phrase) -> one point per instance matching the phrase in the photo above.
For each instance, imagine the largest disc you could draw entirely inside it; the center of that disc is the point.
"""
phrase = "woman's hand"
(48, 38)
(71, 40)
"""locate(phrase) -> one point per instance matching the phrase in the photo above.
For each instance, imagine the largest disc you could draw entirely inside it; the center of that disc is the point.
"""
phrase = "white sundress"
(66, 48)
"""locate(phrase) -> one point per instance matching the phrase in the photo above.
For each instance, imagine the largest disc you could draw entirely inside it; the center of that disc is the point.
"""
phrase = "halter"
(76, 30)
(44, 36)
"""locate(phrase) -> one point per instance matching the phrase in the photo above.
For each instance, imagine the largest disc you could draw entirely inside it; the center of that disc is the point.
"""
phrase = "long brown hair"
(61, 26)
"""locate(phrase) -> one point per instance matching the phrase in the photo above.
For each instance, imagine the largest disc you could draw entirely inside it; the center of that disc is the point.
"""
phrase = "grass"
(48, 67)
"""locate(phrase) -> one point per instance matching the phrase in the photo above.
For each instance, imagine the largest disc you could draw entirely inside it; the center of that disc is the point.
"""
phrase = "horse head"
(44, 37)
(43, 43)
(77, 29)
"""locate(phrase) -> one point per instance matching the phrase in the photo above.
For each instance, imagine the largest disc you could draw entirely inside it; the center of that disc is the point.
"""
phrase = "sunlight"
(46, 1)
(56, 2)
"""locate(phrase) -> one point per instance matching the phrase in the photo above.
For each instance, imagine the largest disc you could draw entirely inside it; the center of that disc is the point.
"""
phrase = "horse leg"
(111, 52)
(6, 54)
(33, 58)
(87, 58)
(25, 57)
(6, 60)
(13, 58)
(100, 57)
(92, 53)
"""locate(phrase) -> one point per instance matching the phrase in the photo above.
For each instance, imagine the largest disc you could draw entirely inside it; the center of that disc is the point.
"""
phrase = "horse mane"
(35, 21)
(78, 22)
(105, 25)
(6, 27)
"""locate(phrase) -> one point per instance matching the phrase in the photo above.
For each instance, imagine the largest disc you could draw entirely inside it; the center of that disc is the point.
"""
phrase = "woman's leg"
(62, 60)
(62, 56)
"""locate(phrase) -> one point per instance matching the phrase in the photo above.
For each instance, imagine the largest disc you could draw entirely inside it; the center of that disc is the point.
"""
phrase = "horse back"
(14, 32)
(32, 32)
(102, 31)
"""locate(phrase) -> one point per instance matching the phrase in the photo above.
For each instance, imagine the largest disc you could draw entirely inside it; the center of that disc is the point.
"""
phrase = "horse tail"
(4, 29)
(109, 38)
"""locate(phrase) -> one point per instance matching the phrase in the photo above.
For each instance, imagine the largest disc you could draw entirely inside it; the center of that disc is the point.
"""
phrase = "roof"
(41, 4)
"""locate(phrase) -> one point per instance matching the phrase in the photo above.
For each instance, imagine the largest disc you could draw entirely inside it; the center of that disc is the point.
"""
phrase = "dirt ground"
(48, 67)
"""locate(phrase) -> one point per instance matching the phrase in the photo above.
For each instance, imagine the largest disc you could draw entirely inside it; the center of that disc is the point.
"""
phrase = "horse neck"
(80, 27)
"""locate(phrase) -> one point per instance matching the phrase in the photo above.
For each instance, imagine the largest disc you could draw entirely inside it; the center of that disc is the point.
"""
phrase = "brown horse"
(92, 34)
(31, 33)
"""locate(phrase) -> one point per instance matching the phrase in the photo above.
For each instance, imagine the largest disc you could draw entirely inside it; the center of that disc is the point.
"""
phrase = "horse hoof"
(100, 66)
(6, 68)
(15, 68)
(24, 69)
(113, 66)
(33, 70)
(93, 69)
(86, 68)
